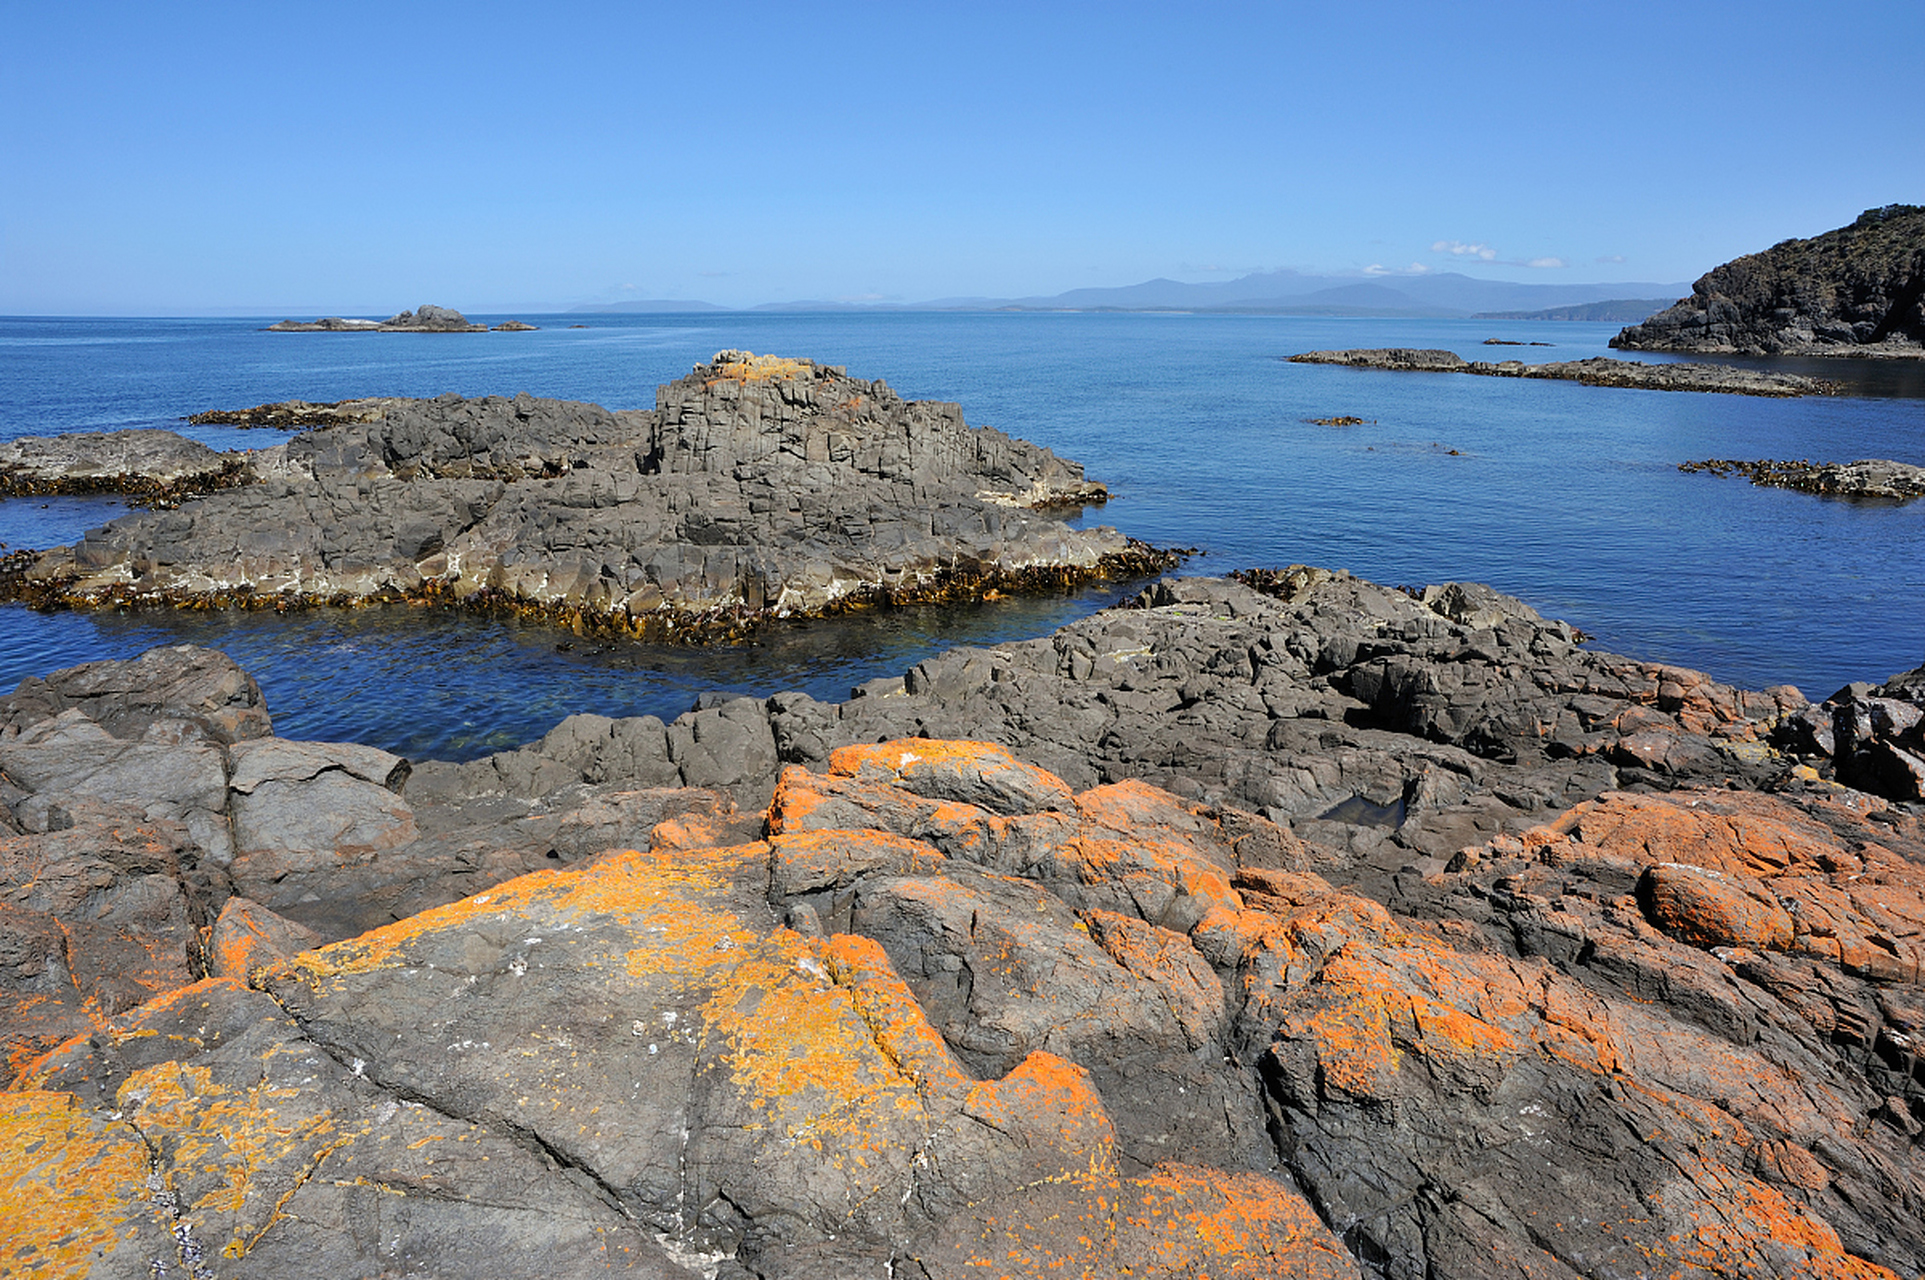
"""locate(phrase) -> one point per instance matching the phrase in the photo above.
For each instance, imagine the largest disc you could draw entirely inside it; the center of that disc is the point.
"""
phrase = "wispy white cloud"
(1547, 262)
(1418, 269)
(1611, 257)
(1460, 249)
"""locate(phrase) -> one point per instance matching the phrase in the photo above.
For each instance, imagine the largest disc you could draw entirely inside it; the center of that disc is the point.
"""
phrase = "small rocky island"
(424, 319)
(1856, 291)
(1867, 480)
(1288, 927)
(757, 488)
(1597, 371)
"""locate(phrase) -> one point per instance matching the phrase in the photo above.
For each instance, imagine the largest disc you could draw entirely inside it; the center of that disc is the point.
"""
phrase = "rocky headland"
(423, 319)
(1867, 480)
(757, 488)
(1856, 291)
(1596, 371)
(1293, 926)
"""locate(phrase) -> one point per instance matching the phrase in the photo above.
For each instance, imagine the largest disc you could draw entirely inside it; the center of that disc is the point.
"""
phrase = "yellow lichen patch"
(235, 1154)
(747, 367)
(73, 1185)
(625, 886)
(803, 1061)
(896, 1021)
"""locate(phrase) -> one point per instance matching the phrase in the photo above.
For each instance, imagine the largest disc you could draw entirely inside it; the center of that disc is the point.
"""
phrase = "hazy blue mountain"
(650, 304)
(1444, 293)
(1614, 310)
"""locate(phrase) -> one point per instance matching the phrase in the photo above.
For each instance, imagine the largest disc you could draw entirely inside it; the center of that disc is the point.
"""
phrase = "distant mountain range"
(1615, 310)
(1445, 294)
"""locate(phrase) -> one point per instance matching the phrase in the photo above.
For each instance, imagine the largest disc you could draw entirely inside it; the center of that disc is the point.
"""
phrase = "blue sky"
(357, 158)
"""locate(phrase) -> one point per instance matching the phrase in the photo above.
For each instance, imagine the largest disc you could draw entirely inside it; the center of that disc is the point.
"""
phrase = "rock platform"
(295, 1009)
(1869, 479)
(757, 488)
(1596, 371)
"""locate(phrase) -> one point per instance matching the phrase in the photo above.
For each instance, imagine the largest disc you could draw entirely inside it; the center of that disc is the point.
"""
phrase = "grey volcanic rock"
(141, 461)
(1427, 360)
(300, 413)
(939, 1013)
(1596, 371)
(1856, 291)
(1397, 729)
(758, 487)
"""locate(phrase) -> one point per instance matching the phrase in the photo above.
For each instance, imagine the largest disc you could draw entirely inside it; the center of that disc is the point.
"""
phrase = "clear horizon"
(359, 159)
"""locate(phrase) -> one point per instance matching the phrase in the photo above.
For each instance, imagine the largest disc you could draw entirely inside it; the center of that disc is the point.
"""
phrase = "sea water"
(1568, 496)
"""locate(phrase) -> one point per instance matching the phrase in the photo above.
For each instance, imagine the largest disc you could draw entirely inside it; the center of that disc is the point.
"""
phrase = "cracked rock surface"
(935, 1008)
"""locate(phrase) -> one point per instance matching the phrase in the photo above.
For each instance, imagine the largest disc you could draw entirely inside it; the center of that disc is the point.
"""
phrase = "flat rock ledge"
(424, 319)
(1597, 371)
(296, 414)
(158, 467)
(277, 1009)
(758, 488)
(1867, 480)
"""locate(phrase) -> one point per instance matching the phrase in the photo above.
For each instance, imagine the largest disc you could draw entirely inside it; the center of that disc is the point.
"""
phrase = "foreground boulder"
(1856, 291)
(952, 1017)
(758, 487)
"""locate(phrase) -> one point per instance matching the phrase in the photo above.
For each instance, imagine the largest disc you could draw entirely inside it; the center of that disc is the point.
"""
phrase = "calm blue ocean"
(1568, 496)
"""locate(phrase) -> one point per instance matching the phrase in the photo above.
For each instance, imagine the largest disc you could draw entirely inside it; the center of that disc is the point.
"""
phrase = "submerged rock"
(942, 1013)
(757, 488)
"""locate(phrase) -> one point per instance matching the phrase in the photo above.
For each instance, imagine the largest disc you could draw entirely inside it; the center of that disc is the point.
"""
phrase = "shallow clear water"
(1568, 496)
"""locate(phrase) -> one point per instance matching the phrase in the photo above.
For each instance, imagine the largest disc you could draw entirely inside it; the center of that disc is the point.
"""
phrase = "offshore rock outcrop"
(1595, 371)
(941, 1013)
(758, 487)
(1856, 291)
(424, 319)
(1868, 479)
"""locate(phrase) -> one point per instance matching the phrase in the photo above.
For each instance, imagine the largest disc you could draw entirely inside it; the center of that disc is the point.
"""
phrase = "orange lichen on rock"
(73, 1186)
(1045, 1085)
(1179, 1221)
(744, 366)
(924, 765)
(1709, 909)
(1207, 1222)
(808, 861)
(248, 935)
(1745, 869)
(1171, 965)
(1741, 1227)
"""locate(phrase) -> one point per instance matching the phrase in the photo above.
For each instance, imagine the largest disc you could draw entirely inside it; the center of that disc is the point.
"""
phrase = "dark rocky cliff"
(1859, 290)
